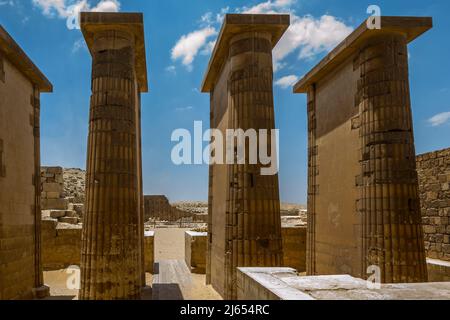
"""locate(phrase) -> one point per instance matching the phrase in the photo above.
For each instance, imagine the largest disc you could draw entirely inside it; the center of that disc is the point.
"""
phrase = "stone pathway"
(171, 281)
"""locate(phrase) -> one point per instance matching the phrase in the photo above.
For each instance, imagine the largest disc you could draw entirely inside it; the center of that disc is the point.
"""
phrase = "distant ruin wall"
(158, 207)
(434, 183)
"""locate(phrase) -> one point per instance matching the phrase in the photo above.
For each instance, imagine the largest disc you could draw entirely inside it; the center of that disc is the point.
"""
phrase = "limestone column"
(363, 205)
(112, 238)
(392, 236)
(244, 204)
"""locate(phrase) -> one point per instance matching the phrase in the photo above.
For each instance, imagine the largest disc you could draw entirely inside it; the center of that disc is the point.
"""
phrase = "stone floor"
(172, 282)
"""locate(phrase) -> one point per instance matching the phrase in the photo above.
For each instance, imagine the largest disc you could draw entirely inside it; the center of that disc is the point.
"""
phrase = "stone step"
(170, 279)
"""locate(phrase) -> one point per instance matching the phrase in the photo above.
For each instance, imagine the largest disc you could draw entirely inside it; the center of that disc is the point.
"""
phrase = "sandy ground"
(169, 245)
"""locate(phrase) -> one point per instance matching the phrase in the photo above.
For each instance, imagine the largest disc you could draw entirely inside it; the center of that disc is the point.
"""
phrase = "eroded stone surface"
(363, 203)
(244, 206)
(285, 284)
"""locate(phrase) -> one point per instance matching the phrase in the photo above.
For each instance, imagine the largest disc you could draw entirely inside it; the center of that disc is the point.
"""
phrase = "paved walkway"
(172, 279)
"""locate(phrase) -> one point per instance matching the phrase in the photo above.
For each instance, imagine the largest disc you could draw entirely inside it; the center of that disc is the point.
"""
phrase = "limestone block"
(61, 246)
(149, 254)
(52, 187)
(70, 220)
(294, 247)
(55, 214)
(57, 204)
(284, 284)
(195, 251)
(71, 213)
(53, 195)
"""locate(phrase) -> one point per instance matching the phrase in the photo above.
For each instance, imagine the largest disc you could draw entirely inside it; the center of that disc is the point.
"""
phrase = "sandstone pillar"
(363, 203)
(244, 222)
(112, 239)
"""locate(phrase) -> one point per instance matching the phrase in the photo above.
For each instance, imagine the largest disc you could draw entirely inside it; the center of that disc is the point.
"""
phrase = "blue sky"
(179, 35)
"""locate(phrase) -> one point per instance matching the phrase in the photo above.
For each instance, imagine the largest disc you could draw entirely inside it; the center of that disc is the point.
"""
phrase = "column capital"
(130, 23)
(411, 27)
(235, 24)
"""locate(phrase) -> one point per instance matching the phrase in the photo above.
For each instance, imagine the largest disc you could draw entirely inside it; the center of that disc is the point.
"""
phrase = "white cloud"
(171, 69)
(184, 109)
(439, 119)
(7, 3)
(311, 36)
(307, 35)
(269, 7)
(78, 45)
(69, 8)
(188, 46)
(208, 48)
(286, 82)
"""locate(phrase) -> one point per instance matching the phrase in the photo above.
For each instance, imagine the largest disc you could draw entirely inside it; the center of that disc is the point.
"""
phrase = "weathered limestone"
(284, 284)
(21, 84)
(195, 251)
(434, 180)
(434, 184)
(158, 207)
(112, 265)
(294, 247)
(61, 245)
(149, 249)
(244, 206)
(363, 203)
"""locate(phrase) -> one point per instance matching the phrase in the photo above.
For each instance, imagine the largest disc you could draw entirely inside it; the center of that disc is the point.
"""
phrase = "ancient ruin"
(377, 224)
(112, 263)
(363, 201)
(244, 207)
(21, 84)
(158, 209)
(434, 180)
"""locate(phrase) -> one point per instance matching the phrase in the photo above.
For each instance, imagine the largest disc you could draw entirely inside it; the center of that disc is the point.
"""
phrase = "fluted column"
(253, 230)
(392, 237)
(111, 252)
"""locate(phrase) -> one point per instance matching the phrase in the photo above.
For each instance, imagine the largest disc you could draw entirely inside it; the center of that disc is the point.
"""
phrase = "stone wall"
(195, 251)
(158, 207)
(434, 183)
(20, 85)
(61, 244)
(52, 195)
(294, 247)
(149, 250)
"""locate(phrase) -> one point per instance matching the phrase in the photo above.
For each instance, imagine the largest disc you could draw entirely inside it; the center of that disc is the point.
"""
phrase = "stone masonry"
(158, 207)
(21, 84)
(112, 259)
(363, 197)
(434, 183)
(244, 207)
(52, 195)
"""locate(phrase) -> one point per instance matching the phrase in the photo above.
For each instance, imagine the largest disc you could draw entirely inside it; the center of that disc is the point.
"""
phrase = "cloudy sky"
(179, 38)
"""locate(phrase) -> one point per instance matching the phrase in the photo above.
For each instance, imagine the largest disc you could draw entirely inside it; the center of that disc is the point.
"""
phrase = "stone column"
(244, 222)
(253, 212)
(112, 239)
(363, 205)
(392, 236)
